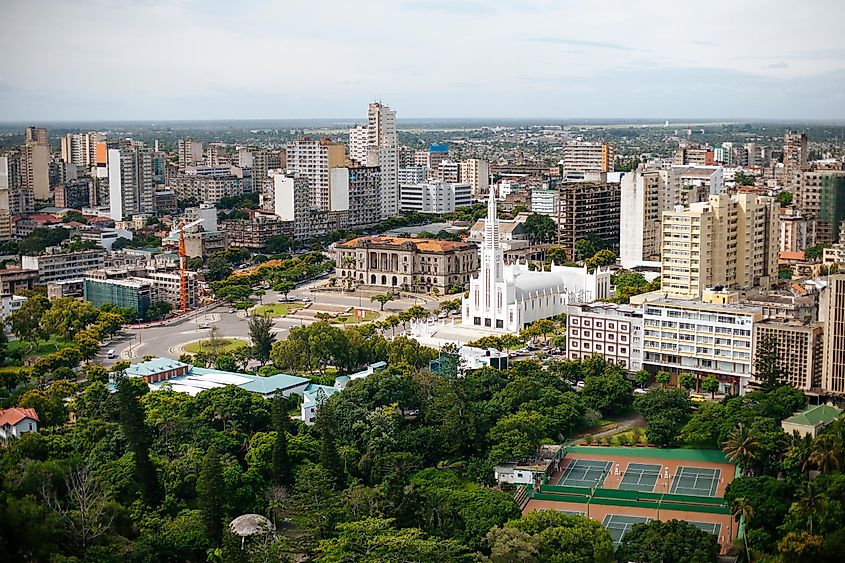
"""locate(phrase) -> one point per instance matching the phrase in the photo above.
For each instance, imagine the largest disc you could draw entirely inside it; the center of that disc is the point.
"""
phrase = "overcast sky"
(219, 59)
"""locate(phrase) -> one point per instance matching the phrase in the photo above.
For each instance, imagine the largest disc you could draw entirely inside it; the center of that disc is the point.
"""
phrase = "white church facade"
(507, 297)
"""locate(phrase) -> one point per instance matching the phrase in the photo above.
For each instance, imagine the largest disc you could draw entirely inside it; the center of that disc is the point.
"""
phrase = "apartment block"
(797, 231)
(130, 181)
(314, 159)
(701, 338)
(15, 197)
(821, 197)
(611, 331)
(435, 197)
(377, 144)
(135, 293)
(645, 194)
(35, 169)
(794, 159)
(833, 376)
(36, 136)
(728, 241)
(476, 173)
(189, 152)
(208, 188)
(800, 348)
(56, 265)
(544, 200)
(583, 156)
(413, 175)
(255, 232)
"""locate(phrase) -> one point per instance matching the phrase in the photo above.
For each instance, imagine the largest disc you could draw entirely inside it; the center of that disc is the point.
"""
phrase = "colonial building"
(509, 296)
(611, 331)
(410, 264)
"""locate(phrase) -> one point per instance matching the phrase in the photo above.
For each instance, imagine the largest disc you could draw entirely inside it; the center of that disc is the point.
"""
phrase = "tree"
(262, 337)
(662, 378)
(784, 198)
(675, 541)
(801, 546)
(710, 385)
(742, 447)
(540, 228)
(26, 321)
(381, 299)
(508, 545)
(132, 420)
(562, 538)
(281, 459)
(687, 380)
(211, 492)
(284, 286)
(556, 255)
(815, 252)
(743, 512)
(601, 258)
(87, 513)
(218, 268)
(608, 393)
(768, 366)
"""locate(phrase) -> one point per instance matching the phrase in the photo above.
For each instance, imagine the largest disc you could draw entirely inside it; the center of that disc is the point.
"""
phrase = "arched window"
(394, 280)
(384, 280)
(372, 279)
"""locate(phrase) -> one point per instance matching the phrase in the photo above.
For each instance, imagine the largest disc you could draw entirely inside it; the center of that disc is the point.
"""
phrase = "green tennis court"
(618, 525)
(696, 481)
(640, 477)
(572, 512)
(585, 473)
(710, 527)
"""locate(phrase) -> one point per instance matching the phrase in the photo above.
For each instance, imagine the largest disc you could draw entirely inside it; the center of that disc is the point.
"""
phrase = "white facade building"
(476, 173)
(377, 144)
(544, 200)
(413, 175)
(611, 331)
(701, 338)
(508, 297)
(17, 421)
(435, 197)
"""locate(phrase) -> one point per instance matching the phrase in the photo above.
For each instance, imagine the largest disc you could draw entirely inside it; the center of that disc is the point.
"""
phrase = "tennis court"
(710, 527)
(696, 481)
(618, 525)
(585, 473)
(640, 477)
(572, 512)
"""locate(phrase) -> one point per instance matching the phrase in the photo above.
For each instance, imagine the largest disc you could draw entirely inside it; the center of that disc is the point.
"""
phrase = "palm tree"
(742, 447)
(801, 452)
(345, 453)
(827, 452)
(393, 321)
(742, 511)
(811, 500)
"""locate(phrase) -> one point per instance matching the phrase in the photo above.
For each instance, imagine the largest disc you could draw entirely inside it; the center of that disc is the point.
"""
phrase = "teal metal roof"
(156, 365)
(267, 385)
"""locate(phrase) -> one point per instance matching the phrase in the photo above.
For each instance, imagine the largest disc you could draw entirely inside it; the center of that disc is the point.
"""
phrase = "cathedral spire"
(491, 226)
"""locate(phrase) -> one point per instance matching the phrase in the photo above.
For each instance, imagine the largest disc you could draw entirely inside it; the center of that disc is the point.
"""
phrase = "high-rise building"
(799, 347)
(476, 173)
(130, 180)
(15, 197)
(377, 144)
(263, 161)
(821, 197)
(314, 159)
(693, 154)
(794, 158)
(35, 168)
(582, 156)
(833, 378)
(190, 152)
(36, 136)
(645, 194)
(586, 209)
(413, 175)
(728, 241)
(435, 197)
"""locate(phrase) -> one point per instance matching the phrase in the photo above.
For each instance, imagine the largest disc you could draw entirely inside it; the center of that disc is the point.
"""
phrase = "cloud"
(703, 43)
(777, 65)
(583, 43)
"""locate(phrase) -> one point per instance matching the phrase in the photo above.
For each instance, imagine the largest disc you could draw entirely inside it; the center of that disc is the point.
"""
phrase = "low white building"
(17, 421)
(611, 331)
(9, 304)
(535, 470)
(314, 394)
(434, 197)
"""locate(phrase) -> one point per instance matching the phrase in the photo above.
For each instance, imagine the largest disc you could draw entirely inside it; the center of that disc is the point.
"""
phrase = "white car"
(205, 325)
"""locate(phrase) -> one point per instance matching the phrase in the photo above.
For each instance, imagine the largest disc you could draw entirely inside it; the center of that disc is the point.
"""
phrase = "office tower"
(377, 144)
(190, 152)
(37, 136)
(15, 197)
(587, 209)
(476, 173)
(581, 156)
(356, 191)
(314, 159)
(130, 181)
(728, 241)
(794, 158)
(645, 194)
(833, 378)
(263, 161)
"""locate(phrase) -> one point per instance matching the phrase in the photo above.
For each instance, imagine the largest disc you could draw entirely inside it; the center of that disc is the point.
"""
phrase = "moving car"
(110, 353)
(205, 325)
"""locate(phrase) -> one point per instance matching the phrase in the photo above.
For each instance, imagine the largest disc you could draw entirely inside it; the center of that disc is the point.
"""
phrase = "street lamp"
(593, 489)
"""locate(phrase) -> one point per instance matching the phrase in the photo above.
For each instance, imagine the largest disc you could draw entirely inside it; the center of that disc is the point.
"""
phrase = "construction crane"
(183, 259)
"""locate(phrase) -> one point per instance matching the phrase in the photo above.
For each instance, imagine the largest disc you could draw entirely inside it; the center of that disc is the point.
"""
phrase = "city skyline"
(259, 60)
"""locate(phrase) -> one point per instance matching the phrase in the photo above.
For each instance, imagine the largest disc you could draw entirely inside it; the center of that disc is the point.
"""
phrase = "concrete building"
(35, 169)
(701, 338)
(583, 156)
(544, 200)
(255, 232)
(833, 377)
(135, 293)
(794, 158)
(189, 152)
(75, 194)
(377, 144)
(476, 173)
(821, 197)
(36, 136)
(314, 159)
(728, 241)
(645, 194)
(811, 421)
(409, 264)
(56, 265)
(587, 209)
(611, 331)
(413, 175)
(210, 188)
(130, 180)
(434, 197)
(15, 197)
(800, 348)
(796, 231)
(690, 153)
(13, 279)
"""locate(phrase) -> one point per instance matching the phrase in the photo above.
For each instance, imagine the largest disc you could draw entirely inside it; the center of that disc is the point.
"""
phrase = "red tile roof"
(423, 245)
(15, 414)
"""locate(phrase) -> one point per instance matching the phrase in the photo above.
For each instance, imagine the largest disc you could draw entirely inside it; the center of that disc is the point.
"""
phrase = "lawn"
(350, 318)
(276, 309)
(44, 347)
(226, 345)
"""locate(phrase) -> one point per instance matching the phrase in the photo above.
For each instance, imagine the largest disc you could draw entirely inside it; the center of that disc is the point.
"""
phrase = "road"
(166, 341)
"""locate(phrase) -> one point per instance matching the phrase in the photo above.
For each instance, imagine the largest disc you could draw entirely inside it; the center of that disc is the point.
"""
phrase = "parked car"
(205, 325)
(110, 353)
(232, 311)
(640, 391)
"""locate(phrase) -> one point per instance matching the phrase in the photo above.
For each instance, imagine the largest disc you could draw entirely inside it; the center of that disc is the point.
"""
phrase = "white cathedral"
(506, 297)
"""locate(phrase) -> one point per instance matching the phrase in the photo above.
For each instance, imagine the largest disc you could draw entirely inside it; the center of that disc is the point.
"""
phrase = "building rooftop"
(422, 245)
(16, 414)
(814, 415)
(702, 305)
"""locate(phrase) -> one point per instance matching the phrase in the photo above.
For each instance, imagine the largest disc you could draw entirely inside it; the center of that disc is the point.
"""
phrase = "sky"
(276, 59)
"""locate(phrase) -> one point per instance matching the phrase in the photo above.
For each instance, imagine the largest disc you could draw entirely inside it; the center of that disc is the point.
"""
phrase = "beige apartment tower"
(833, 379)
(728, 241)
